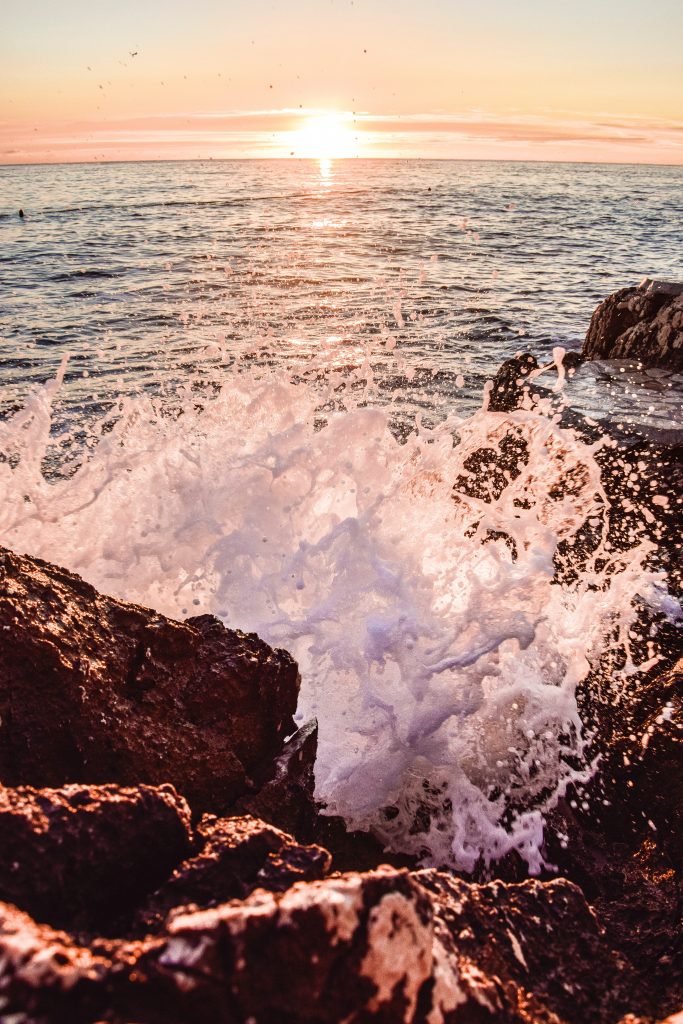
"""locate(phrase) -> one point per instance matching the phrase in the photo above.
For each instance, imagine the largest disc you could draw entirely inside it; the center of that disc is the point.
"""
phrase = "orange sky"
(500, 79)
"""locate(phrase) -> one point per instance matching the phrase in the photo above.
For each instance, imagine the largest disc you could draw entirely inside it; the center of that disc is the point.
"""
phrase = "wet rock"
(635, 891)
(47, 976)
(644, 484)
(643, 324)
(620, 838)
(386, 946)
(237, 855)
(286, 800)
(539, 939)
(353, 850)
(508, 388)
(80, 856)
(98, 690)
(355, 948)
(640, 743)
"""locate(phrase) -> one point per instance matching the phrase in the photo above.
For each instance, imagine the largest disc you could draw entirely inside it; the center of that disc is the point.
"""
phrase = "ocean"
(145, 272)
(247, 389)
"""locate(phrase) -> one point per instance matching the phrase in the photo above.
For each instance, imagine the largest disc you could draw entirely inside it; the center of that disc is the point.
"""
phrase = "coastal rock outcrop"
(235, 911)
(643, 324)
(511, 383)
(620, 837)
(95, 690)
(385, 945)
(235, 857)
(236, 919)
(80, 856)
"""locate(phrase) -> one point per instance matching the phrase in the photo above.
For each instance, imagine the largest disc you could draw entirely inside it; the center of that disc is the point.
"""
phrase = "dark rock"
(286, 800)
(644, 484)
(97, 690)
(237, 855)
(354, 850)
(488, 471)
(639, 737)
(540, 939)
(355, 948)
(644, 324)
(386, 946)
(80, 856)
(47, 977)
(508, 388)
(620, 838)
(635, 891)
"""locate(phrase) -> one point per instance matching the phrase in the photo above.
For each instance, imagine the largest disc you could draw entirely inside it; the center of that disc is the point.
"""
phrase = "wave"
(232, 202)
(437, 647)
(77, 275)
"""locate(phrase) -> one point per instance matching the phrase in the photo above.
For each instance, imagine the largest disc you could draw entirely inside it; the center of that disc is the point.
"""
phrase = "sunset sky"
(502, 79)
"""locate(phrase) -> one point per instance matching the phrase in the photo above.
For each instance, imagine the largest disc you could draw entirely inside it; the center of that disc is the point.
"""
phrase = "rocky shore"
(163, 859)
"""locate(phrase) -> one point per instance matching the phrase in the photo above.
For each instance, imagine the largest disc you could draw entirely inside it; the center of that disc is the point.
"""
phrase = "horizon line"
(340, 159)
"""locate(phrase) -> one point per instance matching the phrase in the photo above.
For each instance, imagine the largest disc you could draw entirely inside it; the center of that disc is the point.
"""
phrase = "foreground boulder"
(385, 945)
(621, 839)
(239, 921)
(236, 856)
(643, 324)
(97, 690)
(80, 856)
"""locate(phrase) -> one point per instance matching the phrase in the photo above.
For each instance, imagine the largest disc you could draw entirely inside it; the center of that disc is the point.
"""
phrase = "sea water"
(249, 389)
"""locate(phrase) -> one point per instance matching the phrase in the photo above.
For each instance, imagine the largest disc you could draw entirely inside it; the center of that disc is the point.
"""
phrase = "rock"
(508, 388)
(80, 856)
(360, 947)
(640, 741)
(540, 939)
(386, 946)
(47, 976)
(286, 800)
(636, 894)
(643, 324)
(96, 690)
(620, 837)
(237, 855)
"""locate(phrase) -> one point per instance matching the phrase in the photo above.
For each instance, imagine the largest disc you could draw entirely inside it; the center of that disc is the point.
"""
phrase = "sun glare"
(326, 137)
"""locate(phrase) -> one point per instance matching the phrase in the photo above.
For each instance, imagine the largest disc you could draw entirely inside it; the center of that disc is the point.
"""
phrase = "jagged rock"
(97, 690)
(386, 946)
(286, 800)
(636, 894)
(643, 324)
(79, 856)
(540, 939)
(237, 855)
(640, 741)
(353, 948)
(620, 838)
(47, 976)
(508, 388)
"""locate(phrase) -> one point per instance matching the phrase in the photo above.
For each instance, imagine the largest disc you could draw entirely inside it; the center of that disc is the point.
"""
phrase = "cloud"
(238, 133)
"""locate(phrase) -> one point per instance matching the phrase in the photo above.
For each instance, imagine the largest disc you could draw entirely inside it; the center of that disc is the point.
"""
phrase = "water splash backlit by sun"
(442, 667)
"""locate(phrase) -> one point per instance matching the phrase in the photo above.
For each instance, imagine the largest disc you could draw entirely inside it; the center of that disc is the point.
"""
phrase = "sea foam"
(437, 648)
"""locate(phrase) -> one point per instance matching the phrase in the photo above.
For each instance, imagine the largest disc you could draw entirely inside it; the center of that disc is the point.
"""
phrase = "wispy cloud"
(257, 133)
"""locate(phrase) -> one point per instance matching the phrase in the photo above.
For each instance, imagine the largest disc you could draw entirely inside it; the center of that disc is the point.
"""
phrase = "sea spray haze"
(261, 391)
(437, 649)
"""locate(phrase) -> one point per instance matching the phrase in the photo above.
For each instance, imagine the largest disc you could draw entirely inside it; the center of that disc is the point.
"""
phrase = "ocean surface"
(247, 390)
(149, 273)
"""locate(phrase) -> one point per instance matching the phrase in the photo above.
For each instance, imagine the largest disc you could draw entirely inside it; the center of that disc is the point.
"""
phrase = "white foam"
(442, 671)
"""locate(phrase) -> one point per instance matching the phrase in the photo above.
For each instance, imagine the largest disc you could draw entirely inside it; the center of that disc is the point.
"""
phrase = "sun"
(325, 137)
